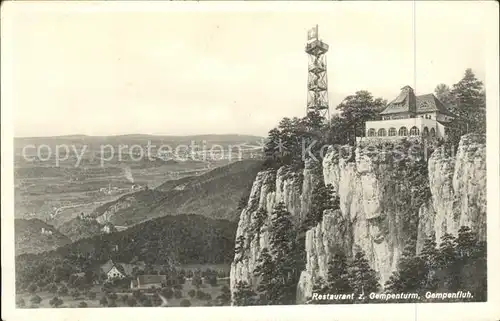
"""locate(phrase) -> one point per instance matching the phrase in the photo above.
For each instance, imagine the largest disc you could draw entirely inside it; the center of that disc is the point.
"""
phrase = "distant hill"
(214, 194)
(30, 239)
(96, 142)
(77, 228)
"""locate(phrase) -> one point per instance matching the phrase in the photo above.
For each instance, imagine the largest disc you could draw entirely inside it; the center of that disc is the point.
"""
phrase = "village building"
(411, 115)
(144, 282)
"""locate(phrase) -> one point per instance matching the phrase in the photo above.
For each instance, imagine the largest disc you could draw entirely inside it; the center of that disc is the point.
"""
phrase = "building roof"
(404, 102)
(123, 268)
(151, 279)
(408, 102)
(430, 103)
(106, 267)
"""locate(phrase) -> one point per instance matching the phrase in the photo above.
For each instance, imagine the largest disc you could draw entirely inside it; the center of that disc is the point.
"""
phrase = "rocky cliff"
(389, 194)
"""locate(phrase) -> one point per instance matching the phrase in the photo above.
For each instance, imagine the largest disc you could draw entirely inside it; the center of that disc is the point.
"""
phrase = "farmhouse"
(148, 282)
(410, 115)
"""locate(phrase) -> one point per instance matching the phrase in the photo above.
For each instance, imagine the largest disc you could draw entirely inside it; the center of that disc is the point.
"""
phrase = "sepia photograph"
(218, 155)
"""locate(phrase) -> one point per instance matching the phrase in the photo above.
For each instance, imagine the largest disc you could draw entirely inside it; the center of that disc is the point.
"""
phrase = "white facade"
(114, 273)
(394, 128)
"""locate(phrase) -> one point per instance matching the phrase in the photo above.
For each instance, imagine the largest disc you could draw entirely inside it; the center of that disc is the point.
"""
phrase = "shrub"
(63, 290)
(56, 302)
(192, 293)
(91, 295)
(112, 304)
(82, 304)
(36, 299)
(177, 294)
(185, 303)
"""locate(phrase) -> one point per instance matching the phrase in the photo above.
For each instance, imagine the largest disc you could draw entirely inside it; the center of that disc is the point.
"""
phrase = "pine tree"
(362, 277)
(338, 275)
(429, 255)
(470, 101)
(323, 198)
(266, 271)
(239, 248)
(465, 243)
(244, 295)
(259, 219)
(284, 248)
(448, 262)
(411, 272)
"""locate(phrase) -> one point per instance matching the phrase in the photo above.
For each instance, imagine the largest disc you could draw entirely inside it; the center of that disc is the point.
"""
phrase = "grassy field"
(71, 302)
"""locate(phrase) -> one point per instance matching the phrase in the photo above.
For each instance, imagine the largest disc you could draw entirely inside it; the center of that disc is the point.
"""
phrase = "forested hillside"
(167, 241)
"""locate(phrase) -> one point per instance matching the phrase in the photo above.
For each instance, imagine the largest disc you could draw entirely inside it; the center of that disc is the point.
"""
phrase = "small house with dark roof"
(411, 115)
(143, 282)
(113, 270)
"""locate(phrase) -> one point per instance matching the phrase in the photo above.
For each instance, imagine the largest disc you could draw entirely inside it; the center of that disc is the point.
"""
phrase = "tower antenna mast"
(317, 82)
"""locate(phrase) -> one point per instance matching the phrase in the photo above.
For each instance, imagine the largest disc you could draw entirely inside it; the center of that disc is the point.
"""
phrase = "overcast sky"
(81, 70)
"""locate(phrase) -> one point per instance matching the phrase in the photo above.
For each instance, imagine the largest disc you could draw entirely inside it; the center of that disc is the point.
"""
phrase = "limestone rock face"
(268, 189)
(458, 187)
(384, 203)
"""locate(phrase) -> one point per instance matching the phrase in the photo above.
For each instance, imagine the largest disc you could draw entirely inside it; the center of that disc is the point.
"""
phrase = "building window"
(371, 132)
(382, 132)
(392, 131)
(414, 131)
(430, 116)
(403, 131)
(433, 132)
(425, 132)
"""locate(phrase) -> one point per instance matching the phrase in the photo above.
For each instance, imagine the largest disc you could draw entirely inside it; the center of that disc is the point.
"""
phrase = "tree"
(75, 294)
(32, 288)
(443, 93)
(63, 290)
(266, 271)
(470, 100)
(91, 295)
(258, 221)
(196, 281)
(124, 298)
(185, 303)
(83, 304)
(323, 198)
(192, 293)
(177, 294)
(429, 254)
(411, 272)
(338, 275)
(239, 248)
(448, 262)
(243, 295)
(56, 302)
(112, 304)
(279, 269)
(362, 277)
(36, 299)
(357, 109)
(52, 288)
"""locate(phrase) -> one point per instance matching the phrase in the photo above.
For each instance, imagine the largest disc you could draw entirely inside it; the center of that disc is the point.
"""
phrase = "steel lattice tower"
(317, 83)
